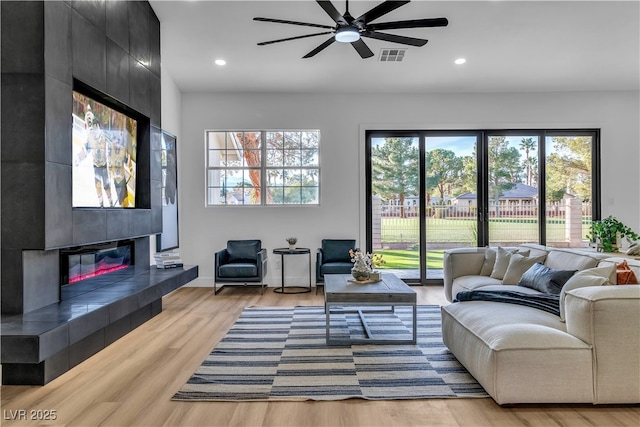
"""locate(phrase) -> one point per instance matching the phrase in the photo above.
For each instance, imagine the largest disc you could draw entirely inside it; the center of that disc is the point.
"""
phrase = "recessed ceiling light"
(220, 62)
(460, 61)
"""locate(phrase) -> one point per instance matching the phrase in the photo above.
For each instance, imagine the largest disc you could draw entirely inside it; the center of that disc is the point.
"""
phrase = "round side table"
(292, 289)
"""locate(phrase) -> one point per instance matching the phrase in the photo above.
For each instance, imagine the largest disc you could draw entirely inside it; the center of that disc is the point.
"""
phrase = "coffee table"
(390, 291)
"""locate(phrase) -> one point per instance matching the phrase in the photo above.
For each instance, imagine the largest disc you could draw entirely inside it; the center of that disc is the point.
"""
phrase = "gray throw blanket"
(546, 302)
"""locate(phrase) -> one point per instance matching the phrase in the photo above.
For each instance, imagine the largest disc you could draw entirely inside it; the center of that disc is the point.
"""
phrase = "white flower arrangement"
(365, 261)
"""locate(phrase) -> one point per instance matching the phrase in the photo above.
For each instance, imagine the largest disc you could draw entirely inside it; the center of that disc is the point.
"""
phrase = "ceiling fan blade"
(362, 48)
(294, 38)
(414, 23)
(411, 41)
(379, 10)
(332, 12)
(320, 48)
(282, 21)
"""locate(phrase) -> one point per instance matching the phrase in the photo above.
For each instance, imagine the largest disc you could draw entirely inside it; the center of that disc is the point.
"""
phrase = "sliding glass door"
(429, 191)
(395, 203)
(514, 193)
(450, 181)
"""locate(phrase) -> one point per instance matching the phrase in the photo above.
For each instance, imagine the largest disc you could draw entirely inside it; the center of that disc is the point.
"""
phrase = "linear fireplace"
(88, 264)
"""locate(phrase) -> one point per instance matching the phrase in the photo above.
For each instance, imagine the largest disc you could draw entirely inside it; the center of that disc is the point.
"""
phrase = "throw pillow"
(489, 262)
(598, 276)
(518, 264)
(625, 274)
(544, 279)
(503, 256)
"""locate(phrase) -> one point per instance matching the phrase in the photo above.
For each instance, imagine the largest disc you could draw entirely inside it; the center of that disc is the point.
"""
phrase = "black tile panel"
(154, 43)
(155, 100)
(141, 222)
(22, 96)
(139, 31)
(55, 366)
(87, 347)
(139, 96)
(54, 341)
(11, 280)
(117, 330)
(118, 224)
(123, 307)
(40, 279)
(22, 37)
(57, 52)
(117, 72)
(23, 374)
(18, 349)
(89, 226)
(22, 190)
(118, 23)
(89, 52)
(140, 316)
(93, 11)
(58, 219)
(58, 108)
(91, 322)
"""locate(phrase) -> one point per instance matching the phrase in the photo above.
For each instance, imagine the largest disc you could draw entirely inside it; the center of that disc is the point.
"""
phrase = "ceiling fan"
(350, 30)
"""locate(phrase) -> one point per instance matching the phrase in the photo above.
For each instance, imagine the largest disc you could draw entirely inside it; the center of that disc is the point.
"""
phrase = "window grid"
(264, 168)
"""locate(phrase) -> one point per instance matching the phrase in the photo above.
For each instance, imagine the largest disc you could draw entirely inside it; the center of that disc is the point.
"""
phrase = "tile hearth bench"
(43, 344)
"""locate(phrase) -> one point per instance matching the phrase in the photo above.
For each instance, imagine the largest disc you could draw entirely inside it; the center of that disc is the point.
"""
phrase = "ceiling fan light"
(347, 35)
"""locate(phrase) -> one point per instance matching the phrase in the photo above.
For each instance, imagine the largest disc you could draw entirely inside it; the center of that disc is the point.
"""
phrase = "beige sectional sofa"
(521, 354)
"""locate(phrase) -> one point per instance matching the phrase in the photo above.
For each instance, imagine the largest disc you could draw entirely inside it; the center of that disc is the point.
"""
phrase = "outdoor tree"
(504, 165)
(250, 142)
(395, 170)
(530, 163)
(443, 171)
(569, 168)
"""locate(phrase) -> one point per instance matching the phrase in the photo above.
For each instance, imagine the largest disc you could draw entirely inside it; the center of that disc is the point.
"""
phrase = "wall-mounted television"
(104, 151)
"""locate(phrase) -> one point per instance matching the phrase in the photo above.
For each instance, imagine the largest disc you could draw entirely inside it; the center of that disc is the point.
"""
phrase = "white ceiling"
(510, 46)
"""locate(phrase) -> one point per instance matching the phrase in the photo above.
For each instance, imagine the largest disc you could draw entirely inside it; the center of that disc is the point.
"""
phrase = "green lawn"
(461, 231)
(464, 230)
(399, 259)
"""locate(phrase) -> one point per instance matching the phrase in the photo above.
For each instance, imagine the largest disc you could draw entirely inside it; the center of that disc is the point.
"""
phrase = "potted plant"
(292, 242)
(605, 232)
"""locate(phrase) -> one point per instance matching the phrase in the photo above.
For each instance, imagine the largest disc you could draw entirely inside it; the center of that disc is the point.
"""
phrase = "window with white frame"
(262, 167)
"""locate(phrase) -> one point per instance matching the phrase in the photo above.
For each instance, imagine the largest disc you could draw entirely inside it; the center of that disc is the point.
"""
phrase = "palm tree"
(528, 144)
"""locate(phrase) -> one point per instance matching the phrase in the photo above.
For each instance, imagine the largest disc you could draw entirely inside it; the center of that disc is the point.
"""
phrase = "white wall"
(342, 120)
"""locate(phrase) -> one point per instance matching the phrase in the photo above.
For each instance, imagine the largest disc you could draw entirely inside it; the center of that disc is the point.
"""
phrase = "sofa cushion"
(518, 264)
(489, 262)
(544, 279)
(503, 256)
(243, 250)
(634, 265)
(566, 259)
(469, 283)
(625, 275)
(336, 268)
(518, 354)
(597, 276)
(237, 270)
(337, 250)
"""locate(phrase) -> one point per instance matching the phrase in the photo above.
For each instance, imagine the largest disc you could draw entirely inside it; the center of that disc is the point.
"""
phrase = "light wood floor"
(130, 383)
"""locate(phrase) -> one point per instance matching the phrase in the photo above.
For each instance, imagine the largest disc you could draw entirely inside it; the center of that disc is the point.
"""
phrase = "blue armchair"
(243, 261)
(333, 258)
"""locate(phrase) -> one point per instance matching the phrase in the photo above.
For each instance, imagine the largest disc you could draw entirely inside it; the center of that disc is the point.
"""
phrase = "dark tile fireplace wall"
(113, 47)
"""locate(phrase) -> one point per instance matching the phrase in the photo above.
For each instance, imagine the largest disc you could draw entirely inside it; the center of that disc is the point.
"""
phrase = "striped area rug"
(276, 353)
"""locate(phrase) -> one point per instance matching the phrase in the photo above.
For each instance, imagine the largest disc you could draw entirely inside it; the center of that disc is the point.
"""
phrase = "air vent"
(392, 55)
